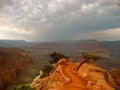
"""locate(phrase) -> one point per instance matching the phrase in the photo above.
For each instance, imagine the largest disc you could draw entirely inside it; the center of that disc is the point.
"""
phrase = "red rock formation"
(68, 77)
(14, 64)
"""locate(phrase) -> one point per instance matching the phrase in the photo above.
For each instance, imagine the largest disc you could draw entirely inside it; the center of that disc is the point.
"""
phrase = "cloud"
(5, 2)
(58, 19)
(17, 33)
(12, 35)
(14, 29)
(110, 34)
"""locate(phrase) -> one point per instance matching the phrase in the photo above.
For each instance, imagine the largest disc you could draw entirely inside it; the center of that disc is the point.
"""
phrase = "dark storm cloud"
(58, 19)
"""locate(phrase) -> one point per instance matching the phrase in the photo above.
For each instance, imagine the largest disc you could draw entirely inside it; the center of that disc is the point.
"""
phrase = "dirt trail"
(76, 82)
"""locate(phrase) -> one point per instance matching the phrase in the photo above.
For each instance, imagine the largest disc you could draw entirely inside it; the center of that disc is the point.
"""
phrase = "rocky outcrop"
(67, 76)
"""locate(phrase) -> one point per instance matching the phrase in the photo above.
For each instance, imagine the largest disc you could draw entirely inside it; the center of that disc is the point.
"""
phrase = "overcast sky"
(49, 20)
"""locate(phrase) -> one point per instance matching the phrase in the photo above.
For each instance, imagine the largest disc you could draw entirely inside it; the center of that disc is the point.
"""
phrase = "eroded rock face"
(67, 76)
(15, 66)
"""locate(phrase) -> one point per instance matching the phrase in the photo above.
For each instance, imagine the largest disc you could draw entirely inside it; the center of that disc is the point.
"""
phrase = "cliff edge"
(68, 76)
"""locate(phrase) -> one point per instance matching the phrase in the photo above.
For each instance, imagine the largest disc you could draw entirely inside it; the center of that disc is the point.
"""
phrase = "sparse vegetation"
(89, 57)
(113, 78)
(46, 70)
(55, 57)
(24, 87)
(43, 75)
(109, 79)
(116, 76)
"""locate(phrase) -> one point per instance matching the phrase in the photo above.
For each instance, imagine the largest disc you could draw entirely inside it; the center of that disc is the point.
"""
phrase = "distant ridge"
(7, 40)
(11, 43)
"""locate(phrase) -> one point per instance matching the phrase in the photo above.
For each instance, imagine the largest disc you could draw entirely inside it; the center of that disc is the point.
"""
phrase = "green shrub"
(115, 73)
(109, 79)
(89, 56)
(24, 87)
(46, 70)
(43, 75)
(55, 57)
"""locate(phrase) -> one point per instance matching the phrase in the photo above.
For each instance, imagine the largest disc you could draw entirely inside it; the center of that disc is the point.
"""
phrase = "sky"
(51, 20)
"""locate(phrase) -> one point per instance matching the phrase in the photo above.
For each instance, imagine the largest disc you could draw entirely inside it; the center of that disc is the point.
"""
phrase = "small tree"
(55, 57)
(88, 57)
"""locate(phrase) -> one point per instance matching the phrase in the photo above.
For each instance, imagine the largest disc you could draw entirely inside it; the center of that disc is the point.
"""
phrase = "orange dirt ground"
(76, 82)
